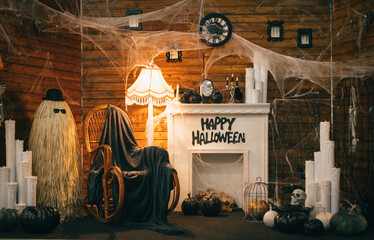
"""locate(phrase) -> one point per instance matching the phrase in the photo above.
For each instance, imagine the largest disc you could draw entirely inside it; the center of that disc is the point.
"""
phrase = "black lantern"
(134, 23)
(304, 38)
(275, 31)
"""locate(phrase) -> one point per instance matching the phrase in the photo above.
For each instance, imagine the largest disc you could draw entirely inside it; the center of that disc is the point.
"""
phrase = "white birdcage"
(256, 201)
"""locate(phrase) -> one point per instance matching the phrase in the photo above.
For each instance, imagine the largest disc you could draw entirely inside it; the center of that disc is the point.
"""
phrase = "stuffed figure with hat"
(54, 143)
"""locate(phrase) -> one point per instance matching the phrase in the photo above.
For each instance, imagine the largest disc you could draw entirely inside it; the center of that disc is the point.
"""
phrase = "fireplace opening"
(221, 172)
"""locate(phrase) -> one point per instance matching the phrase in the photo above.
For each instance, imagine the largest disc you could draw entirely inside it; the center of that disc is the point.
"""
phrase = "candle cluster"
(322, 179)
(256, 80)
(16, 176)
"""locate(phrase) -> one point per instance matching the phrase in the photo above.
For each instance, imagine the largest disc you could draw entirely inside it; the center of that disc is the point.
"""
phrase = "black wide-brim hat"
(54, 95)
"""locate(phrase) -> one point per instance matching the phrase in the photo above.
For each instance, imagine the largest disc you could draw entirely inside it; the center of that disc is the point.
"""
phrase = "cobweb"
(176, 27)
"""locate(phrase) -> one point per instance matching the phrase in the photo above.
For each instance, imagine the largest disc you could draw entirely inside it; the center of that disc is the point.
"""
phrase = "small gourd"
(9, 219)
(325, 217)
(217, 97)
(314, 228)
(211, 206)
(257, 209)
(195, 98)
(269, 218)
(348, 222)
(190, 206)
(39, 219)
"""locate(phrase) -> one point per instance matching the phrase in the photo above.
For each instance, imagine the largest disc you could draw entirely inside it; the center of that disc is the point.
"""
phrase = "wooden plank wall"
(34, 63)
(351, 43)
(249, 19)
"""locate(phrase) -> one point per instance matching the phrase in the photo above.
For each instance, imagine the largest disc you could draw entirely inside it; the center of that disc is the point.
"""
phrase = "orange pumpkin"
(257, 209)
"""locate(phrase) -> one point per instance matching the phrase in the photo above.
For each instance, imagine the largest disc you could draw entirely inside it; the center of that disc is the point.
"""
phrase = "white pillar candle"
(257, 72)
(10, 142)
(11, 195)
(324, 132)
(19, 207)
(256, 94)
(19, 150)
(309, 178)
(318, 208)
(317, 173)
(335, 190)
(22, 169)
(31, 190)
(313, 193)
(4, 179)
(259, 86)
(27, 157)
(249, 84)
(326, 195)
(330, 153)
(264, 79)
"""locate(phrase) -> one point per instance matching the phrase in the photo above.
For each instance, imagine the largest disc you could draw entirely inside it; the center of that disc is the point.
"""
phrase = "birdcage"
(256, 202)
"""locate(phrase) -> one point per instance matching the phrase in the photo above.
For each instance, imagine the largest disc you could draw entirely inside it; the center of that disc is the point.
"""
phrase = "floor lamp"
(150, 88)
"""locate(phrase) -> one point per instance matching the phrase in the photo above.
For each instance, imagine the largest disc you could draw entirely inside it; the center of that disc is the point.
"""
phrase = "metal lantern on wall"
(256, 201)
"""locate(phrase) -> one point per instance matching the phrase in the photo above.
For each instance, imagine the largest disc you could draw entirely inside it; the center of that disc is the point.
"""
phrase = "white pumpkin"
(325, 219)
(268, 218)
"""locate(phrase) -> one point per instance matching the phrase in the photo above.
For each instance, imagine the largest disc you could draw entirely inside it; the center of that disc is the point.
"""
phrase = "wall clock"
(215, 29)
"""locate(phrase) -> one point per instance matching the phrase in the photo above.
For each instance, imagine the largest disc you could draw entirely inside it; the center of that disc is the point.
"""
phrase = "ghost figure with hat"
(54, 143)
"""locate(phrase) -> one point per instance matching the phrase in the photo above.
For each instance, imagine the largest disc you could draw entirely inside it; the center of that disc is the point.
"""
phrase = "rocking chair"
(108, 210)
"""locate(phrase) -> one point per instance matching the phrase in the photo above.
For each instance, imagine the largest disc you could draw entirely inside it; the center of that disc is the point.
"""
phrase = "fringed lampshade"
(150, 88)
(150, 85)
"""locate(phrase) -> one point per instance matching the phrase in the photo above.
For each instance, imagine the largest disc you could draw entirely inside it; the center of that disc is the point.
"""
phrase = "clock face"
(215, 29)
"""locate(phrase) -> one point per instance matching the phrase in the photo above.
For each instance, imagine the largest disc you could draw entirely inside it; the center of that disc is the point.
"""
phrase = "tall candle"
(256, 94)
(309, 178)
(330, 157)
(257, 71)
(318, 208)
(324, 132)
(335, 190)
(326, 195)
(264, 79)
(313, 193)
(22, 169)
(11, 195)
(249, 81)
(19, 150)
(27, 157)
(31, 190)
(4, 179)
(10, 143)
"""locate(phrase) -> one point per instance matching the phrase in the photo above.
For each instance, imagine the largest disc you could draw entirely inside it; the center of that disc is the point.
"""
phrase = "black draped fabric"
(147, 175)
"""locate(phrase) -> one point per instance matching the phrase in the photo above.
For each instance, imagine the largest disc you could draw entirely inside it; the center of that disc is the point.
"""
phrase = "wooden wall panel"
(39, 62)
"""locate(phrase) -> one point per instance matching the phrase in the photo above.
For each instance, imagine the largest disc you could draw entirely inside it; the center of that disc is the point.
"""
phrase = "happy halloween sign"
(217, 130)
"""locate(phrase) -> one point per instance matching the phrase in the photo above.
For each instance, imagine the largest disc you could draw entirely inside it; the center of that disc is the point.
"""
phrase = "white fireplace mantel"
(244, 126)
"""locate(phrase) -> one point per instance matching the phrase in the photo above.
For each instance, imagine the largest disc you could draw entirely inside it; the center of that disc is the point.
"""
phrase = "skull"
(298, 197)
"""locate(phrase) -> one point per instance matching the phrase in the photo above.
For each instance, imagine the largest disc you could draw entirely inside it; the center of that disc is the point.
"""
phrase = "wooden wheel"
(106, 211)
(175, 193)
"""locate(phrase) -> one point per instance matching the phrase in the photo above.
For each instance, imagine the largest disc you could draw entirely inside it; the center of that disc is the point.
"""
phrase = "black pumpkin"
(185, 95)
(314, 228)
(190, 206)
(290, 221)
(39, 219)
(195, 98)
(211, 206)
(348, 222)
(9, 219)
(217, 97)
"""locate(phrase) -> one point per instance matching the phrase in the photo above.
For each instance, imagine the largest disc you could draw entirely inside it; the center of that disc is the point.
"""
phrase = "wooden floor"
(226, 226)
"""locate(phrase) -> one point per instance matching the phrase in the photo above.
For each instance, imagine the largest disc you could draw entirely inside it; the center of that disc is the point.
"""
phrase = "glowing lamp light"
(150, 88)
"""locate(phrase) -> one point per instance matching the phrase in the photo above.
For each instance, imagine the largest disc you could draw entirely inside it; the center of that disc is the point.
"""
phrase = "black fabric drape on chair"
(147, 175)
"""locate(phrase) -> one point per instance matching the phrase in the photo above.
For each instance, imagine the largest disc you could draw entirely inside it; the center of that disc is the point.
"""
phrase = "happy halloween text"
(213, 124)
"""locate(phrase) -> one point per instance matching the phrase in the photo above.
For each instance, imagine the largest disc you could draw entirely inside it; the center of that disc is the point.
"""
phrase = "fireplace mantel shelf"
(223, 108)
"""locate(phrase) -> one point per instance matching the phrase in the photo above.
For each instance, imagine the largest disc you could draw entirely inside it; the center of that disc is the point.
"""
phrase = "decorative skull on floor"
(298, 197)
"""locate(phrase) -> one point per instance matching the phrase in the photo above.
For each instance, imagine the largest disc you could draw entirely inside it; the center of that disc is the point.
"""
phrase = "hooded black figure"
(147, 175)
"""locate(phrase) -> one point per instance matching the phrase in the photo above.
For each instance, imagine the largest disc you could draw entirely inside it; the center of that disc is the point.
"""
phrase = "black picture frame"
(134, 12)
(273, 24)
(304, 32)
(174, 60)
